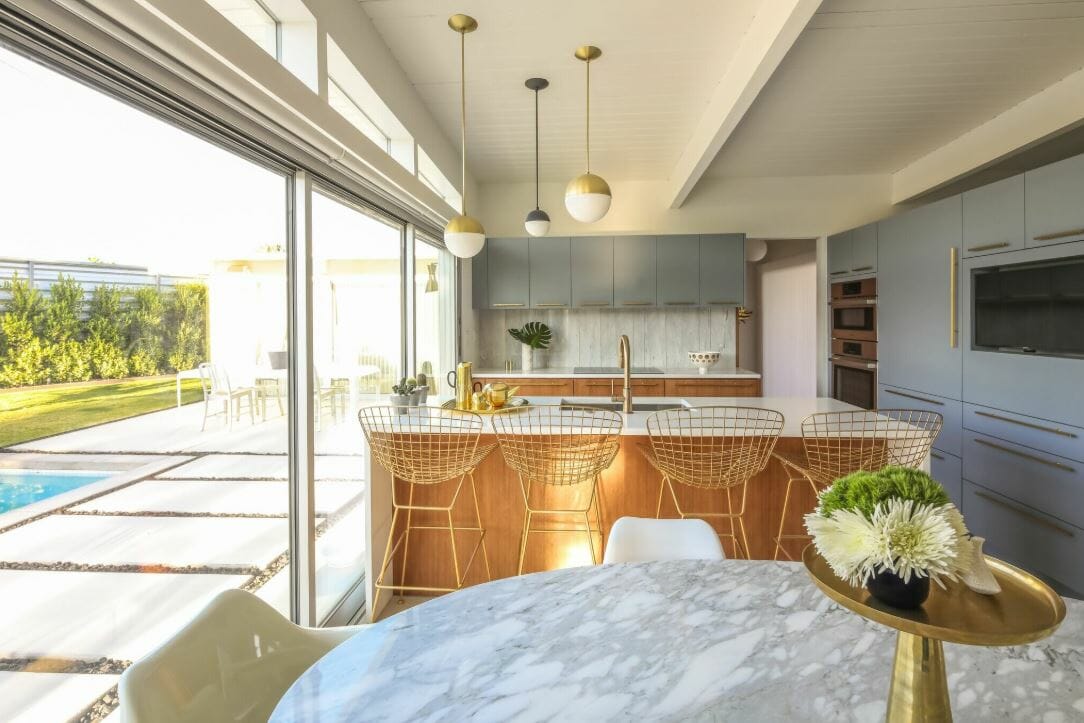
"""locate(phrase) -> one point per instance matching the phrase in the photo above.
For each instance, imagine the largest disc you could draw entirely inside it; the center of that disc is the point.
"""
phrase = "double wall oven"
(854, 342)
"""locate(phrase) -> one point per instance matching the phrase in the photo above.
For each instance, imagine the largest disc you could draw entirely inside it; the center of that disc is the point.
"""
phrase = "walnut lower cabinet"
(713, 387)
(641, 387)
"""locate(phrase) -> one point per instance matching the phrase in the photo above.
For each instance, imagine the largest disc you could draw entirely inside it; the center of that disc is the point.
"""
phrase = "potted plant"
(423, 387)
(401, 393)
(533, 335)
(891, 531)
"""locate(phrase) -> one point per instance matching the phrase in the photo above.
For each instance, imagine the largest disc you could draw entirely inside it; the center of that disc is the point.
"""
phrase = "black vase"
(889, 588)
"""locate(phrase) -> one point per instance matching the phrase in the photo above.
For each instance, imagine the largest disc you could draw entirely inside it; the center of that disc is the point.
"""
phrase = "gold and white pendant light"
(588, 197)
(464, 235)
(538, 221)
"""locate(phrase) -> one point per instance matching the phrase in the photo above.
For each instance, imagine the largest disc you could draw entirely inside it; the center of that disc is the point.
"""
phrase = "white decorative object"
(526, 357)
(979, 578)
(704, 360)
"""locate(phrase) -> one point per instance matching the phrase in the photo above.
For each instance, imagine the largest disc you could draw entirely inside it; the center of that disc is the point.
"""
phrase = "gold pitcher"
(498, 394)
(463, 383)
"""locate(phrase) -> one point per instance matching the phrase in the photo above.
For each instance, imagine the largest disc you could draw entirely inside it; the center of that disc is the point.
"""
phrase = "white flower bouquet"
(892, 531)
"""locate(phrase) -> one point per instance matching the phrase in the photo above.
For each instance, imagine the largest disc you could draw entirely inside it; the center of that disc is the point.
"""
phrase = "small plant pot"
(423, 394)
(399, 400)
(889, 588)
(415, 397)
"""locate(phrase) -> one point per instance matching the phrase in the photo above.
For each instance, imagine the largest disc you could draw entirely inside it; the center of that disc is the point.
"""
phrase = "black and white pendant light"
(538, 221)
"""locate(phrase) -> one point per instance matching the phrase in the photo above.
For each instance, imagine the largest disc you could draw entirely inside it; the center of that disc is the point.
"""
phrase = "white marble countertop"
(566, 372)
(732, 640)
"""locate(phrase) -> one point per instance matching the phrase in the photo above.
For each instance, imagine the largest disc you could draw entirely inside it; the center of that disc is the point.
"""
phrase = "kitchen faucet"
(625, 362)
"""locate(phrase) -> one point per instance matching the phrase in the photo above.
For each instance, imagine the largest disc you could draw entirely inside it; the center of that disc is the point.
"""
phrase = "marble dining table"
(684, 640)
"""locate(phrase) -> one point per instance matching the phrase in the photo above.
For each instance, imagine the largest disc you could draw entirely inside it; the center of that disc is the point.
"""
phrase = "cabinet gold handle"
(723, 303)
(533, 383)
(1029, 425)
(635, 303)
(1060, 234)
(989, 247)
(505, 306)
(680, 303)
(838, 273)
(594, 303)
(1025, 455)
(1027, 515)
(862, 268)
(952, 297)
(915, 396)
(550, 304)
(935, 455)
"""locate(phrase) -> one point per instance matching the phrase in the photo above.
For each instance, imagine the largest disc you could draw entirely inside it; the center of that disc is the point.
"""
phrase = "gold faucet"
(625, 362)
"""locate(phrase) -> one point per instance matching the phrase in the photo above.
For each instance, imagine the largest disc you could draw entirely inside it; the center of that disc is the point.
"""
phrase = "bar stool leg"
(478, 517)
(598, 520)
(526, 490)
(406, 543)
(658, 506)
(384, 564)
(455, 555)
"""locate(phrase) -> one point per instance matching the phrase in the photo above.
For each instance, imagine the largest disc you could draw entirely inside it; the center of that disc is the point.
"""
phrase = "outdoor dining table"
(685, 640)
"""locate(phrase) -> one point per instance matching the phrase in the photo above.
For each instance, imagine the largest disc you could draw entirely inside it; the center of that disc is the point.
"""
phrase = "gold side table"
(1024, 611)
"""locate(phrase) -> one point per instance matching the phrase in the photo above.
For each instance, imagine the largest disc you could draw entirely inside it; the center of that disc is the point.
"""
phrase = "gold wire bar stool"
(426, 446)
(835, 444)
(560, 447)
(712, 448)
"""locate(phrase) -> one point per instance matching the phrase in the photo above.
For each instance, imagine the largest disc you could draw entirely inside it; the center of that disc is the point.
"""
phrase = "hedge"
(116, 333)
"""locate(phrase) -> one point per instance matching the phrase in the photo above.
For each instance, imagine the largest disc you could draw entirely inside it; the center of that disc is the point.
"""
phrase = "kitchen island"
(629, 487)
(719, 381)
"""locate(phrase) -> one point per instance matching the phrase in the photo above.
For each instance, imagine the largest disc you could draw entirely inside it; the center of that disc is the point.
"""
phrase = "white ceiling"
(872, 85)
(660, 63)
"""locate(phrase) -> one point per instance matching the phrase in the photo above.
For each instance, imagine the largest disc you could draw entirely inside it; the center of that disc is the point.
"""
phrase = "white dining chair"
(233, 663)
(640, 539)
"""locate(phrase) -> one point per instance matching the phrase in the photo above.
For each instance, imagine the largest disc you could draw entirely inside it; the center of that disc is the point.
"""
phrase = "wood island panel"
(712, 388)
(641, 387)
(535, 387)
(612, 387)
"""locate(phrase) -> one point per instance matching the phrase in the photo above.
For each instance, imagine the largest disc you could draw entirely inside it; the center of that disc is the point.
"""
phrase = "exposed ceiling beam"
(776, 26)
(1051, 111)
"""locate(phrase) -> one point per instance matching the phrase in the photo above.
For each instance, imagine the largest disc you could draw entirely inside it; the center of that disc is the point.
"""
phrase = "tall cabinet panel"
(994, 218)
(915, 306)
(551, 272)
(508, 273)
(864, 250)
(1053, 206)
(722, 269)
(592, 271)
(839, 254)
(634, 271)
(479, 279)
(678, 270)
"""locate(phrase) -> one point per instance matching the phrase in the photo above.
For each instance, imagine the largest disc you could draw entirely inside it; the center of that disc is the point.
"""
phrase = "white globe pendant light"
(588, 197)
(464, 235)
(538, 221)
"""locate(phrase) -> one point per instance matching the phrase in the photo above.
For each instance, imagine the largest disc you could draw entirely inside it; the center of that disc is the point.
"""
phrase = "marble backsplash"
(588, 337)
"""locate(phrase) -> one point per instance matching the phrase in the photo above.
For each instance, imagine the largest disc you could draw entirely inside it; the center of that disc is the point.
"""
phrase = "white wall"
(788, 324)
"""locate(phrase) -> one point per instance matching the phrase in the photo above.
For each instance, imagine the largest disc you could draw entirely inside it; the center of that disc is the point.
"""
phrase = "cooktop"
(615, 370)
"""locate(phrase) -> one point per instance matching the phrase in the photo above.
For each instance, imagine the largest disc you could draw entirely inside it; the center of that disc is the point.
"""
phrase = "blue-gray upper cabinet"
(592, 271)
(479, 279)
(722, 269)
(634, 271)
(864, 250)
(915, 348)
(994, 218)
(508, 273)
(840, 248)
(1054, 205)
(678, 264)
(551, 272)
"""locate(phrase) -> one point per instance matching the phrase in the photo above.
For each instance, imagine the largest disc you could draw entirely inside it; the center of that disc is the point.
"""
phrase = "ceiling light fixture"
(464, 235)
(588, 197)
(538, 221)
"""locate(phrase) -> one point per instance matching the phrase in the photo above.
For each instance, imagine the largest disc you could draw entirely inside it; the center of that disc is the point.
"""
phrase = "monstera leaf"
(534, 334)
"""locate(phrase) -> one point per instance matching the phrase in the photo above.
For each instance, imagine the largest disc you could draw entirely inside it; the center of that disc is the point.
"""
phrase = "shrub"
(145, 318)
(63, 311)
(186, 321)
(107, 360)
(68, 361)
(22, 356)
(105, 316)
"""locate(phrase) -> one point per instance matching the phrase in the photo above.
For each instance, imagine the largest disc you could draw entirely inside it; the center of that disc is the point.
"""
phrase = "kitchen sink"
(615, 370)
(616, 406)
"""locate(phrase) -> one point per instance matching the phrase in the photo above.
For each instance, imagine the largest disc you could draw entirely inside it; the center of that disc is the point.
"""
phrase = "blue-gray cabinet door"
(678, 263)
(479, 279)
(722, 269)
(508, 273)
(994, 218)
(1054, 202)
(915, 348)
(634, 271)
(839, 254)
(592, 271)
(864, 250)
(551, 272)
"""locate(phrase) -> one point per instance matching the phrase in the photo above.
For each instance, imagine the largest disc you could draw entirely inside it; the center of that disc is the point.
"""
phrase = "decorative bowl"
(704, 360)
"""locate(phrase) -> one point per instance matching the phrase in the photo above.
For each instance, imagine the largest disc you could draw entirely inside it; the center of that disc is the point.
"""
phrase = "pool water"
(20, 487)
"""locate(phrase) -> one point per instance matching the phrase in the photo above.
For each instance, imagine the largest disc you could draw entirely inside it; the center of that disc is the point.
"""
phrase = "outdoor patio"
(96, 577)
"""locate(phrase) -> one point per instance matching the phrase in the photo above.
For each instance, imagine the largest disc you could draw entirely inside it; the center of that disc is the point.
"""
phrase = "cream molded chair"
(640, 539)
(232, 663)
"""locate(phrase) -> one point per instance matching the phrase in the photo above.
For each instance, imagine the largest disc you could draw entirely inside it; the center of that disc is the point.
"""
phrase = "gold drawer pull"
(1025, 455)
(594, 303)
(1060, 234)
(953, 264)
(506, 305)
(550, 304)
(935, 455)
(989, 247)
(915, 396)
(1029, 425)
(1027, 515)
(680, 303)
(837, 273)
(723, 303)
(540, 384)
(636, 303)
(862, 268)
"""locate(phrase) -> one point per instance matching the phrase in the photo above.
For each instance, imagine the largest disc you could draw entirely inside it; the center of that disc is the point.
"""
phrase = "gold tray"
(514, 403)
(1024, 611)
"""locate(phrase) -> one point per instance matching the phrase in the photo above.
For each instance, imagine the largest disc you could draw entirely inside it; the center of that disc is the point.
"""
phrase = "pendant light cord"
(463, 117)
(536, 207)
(588, 115)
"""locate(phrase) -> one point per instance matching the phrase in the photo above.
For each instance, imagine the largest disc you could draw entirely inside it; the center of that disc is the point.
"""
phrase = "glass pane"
(252, 19)
(138, 483)
(348, 109)
(434, 304)
(358, 351)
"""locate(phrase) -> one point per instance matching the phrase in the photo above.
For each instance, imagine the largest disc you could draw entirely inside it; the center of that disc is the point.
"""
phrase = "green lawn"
(27, 414)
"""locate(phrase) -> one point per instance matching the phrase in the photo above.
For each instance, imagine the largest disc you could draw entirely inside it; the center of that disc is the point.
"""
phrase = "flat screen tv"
(1035, 308)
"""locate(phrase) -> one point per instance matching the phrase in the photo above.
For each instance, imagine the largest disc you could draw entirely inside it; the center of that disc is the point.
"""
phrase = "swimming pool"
(20, 487)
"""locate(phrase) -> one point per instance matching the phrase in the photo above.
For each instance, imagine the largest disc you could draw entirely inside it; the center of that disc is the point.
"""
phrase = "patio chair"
(216, 387)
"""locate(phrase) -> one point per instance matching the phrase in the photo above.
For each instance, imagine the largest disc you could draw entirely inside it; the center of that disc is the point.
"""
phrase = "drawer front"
(896, 398)
(1025, 537)
(1050, 437)
(645, 387)
(946, 469)
(535, 387)
(1052, 484)
(712, 387)
(596, 387)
